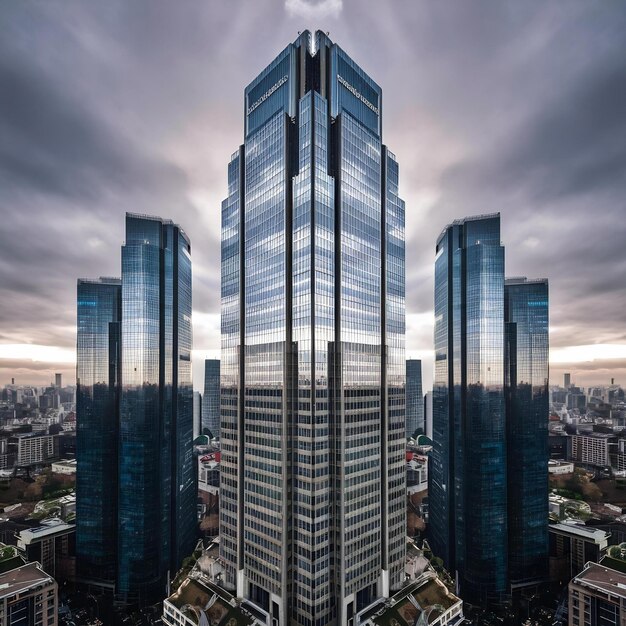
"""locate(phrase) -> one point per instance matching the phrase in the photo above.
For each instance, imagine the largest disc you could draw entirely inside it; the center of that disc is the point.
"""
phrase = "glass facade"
(468, 488)
(526, 324)
(211, 398)
(414, 398)
(97, 376)
(312, 495)
(156, 490)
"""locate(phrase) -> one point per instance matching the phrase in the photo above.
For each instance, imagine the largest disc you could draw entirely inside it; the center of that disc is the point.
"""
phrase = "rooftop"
(586, 532)
(602, 578)
(46, 529)
(204, 602)
(22, 579)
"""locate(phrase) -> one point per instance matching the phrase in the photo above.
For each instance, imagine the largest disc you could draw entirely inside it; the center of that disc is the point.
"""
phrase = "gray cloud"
(489, 106)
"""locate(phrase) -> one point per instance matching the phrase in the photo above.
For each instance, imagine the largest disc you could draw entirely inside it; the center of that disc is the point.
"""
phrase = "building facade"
(136, 493)
(312, 500)
(527, 411)
(211, 398)
(99, 312)
(156, 491)
(467, 476)
(414, 398)
(597, 597)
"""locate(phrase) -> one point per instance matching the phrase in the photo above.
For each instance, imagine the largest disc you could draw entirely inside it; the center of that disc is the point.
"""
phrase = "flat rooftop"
(602, 578)
(22, 579)
(586, 532)
(52, 528)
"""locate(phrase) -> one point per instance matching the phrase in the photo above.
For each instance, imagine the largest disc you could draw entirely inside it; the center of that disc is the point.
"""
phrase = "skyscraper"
(99, 309)
(567, 380)
(156, 523)
(414, 398)
(467, 475)
(58, 381)
(312, 500)
(211, 398)
(527, 409)
(135, 476)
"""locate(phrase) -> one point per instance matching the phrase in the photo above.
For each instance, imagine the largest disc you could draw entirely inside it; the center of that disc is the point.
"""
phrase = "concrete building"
(28, 597)
(593, 449)
(33, 449)
(64, 466)
(560, 467)
(597, 597)
(573, 545)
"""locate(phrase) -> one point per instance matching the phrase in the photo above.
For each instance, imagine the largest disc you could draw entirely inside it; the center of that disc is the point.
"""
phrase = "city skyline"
(487, 102)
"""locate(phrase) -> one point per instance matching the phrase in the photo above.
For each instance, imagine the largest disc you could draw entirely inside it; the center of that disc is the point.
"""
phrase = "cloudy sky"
(517, 107)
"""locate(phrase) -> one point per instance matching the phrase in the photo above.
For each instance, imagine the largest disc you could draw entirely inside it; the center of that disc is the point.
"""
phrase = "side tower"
(467, 477)
(312, 513)
(99, 311)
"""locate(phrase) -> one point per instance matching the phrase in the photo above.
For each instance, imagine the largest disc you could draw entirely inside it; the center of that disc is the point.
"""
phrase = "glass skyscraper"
(312, 500)
(467, 474)
(527, 409)
(157, 496)
(136, 490)
(414, 398)
(99, 309)
(211, 397)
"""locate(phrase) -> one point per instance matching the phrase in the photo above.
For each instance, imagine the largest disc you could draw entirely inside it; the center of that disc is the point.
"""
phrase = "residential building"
(597, 597)
(468, 472)
(211, 398)
(527, 411)
(312, 497)
(33, 448)
(593, 449)
(414, 398)
(99, 312)
(27, 595)
(156, 485)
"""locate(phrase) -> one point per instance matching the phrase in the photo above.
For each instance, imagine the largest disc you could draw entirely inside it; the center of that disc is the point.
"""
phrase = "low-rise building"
(556, 467)
(65, 466)
(597, 597)
(573, 545)
(593, 448)
(28, 595)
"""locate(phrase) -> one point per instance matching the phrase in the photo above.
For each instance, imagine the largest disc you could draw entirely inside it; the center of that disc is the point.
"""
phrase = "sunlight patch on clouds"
(580, 354)
(37, 353)
(311, 9)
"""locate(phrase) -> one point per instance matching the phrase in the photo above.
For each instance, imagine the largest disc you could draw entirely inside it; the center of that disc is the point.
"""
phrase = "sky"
(509, 106)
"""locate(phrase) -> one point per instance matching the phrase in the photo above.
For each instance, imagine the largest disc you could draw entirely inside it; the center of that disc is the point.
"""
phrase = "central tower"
(312, 500)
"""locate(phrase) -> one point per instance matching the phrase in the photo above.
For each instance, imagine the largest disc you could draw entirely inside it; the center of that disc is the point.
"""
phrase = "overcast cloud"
(517, 107)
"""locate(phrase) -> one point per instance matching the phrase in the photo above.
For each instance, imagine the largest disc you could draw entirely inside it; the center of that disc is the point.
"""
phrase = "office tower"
(58, 381)
(567, 380)
(197, 414)
(156, 524)
(428, 414)
(414, 398)
(99, 309)
(527, 410)
(312, 500)
(467, 486)
(211, 398)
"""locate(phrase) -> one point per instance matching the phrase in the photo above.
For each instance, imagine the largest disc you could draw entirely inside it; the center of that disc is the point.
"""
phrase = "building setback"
(136, 489)
(312, 500)
(414, 398)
